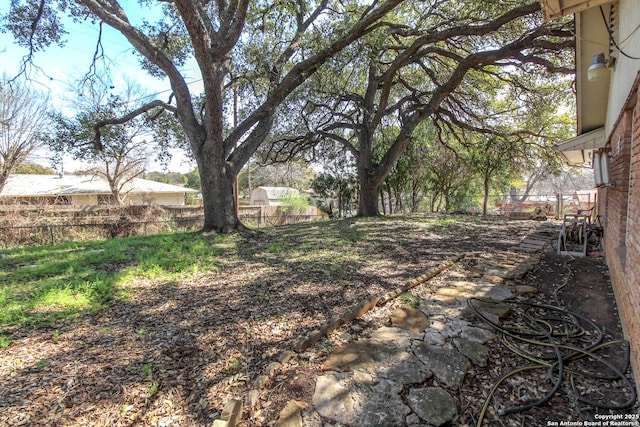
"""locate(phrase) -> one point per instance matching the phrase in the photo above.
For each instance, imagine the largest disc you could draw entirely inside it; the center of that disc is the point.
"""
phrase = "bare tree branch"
(126, 118)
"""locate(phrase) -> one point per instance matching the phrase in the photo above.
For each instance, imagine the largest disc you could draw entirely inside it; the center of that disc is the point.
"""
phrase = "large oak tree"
(293, 38)
(432, 61)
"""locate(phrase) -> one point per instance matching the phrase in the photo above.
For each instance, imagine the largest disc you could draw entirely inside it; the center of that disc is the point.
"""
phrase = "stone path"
(400, 375)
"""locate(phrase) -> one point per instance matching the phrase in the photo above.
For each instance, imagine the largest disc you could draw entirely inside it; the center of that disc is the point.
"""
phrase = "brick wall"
(616, 197)
(622, 234)
(633, 231)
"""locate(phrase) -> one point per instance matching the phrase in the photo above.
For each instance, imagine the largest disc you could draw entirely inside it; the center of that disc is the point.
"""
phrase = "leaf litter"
(174, 353)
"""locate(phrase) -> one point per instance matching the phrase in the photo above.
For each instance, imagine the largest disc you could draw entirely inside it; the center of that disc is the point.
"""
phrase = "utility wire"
(611, 38)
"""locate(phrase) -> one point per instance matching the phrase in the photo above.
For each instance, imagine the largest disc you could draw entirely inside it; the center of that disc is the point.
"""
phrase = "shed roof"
(67, 185)
(274, 193)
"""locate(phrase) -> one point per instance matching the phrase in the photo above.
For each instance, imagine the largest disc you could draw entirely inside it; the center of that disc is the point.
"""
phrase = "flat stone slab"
(402, 367)
(432, 404)
(350, 403)
(356, 355)
(473, 350)
(534, 242)
(479, 335)
(497, 308)
(435, 338)
(527, 249)
(453, 327)
(291, 415)
(387, 335)
(448, 366)
(450, 295)
(526, 289)
(499, 293)
(410, 319)
(530, 246)
(330, 400)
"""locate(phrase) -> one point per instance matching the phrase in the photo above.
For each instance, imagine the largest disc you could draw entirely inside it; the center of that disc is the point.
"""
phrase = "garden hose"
(558, 333)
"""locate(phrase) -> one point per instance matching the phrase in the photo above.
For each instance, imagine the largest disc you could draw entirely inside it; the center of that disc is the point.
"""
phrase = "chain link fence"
(124, 226)
(32, 226)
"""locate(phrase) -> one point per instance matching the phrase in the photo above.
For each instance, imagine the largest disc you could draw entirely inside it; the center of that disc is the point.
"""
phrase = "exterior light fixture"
(598, 68)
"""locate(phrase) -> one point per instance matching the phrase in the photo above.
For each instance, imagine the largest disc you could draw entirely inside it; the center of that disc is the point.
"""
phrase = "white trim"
(574, 149)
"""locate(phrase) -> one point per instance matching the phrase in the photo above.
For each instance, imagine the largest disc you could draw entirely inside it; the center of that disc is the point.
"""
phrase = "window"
(105, 199)
(62, 200)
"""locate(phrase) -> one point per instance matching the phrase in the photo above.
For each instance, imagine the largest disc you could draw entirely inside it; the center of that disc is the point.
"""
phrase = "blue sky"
(59, 67)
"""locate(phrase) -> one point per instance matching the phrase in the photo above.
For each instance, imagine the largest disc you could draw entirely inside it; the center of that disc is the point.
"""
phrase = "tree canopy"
(23, 121)
(361, 74)
(123, 150)
(468, 67)
(264, 49)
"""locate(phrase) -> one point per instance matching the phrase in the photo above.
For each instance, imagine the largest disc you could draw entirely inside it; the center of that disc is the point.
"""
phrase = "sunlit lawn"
(48, 283)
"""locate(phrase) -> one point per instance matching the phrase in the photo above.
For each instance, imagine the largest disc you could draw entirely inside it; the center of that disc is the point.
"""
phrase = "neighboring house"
(608, 107)
(272, 196)
(87, 190)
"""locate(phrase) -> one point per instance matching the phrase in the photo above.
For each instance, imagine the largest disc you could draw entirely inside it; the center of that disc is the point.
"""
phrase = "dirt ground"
(176, 352)
(581, 286)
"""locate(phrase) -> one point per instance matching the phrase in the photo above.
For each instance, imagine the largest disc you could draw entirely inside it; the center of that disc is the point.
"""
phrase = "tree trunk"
(414, 198)
(368, 202)
(485, 196)
(370, 183)
(399, 204)
(4, 176)
(220, 214)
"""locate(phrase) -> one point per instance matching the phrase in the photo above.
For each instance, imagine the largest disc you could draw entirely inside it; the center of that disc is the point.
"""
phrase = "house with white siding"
(83, 190)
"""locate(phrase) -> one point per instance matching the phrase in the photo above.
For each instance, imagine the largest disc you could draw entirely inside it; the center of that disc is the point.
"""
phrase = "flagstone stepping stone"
(330, 402)
(464, 284)
(508, 270)
(356, 355)
(448, 366)
(341, 399)
(499, 293)
(480, 335)
(291, 415)
(453, 327)
(450, 295)
(384, 406)
(410, 319)
(472, 350)
(390, 335)
(434, 337)
(534, 243)
(432, 404)
(526, 289)
(492, 279)
(402, 367)
(495, 308)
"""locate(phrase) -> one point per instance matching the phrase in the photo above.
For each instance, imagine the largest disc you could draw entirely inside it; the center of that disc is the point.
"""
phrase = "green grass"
(409, 299)
(42, 285)
(5, 341)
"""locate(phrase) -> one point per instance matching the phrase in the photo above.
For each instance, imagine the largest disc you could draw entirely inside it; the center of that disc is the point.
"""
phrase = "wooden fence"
(33, 226)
